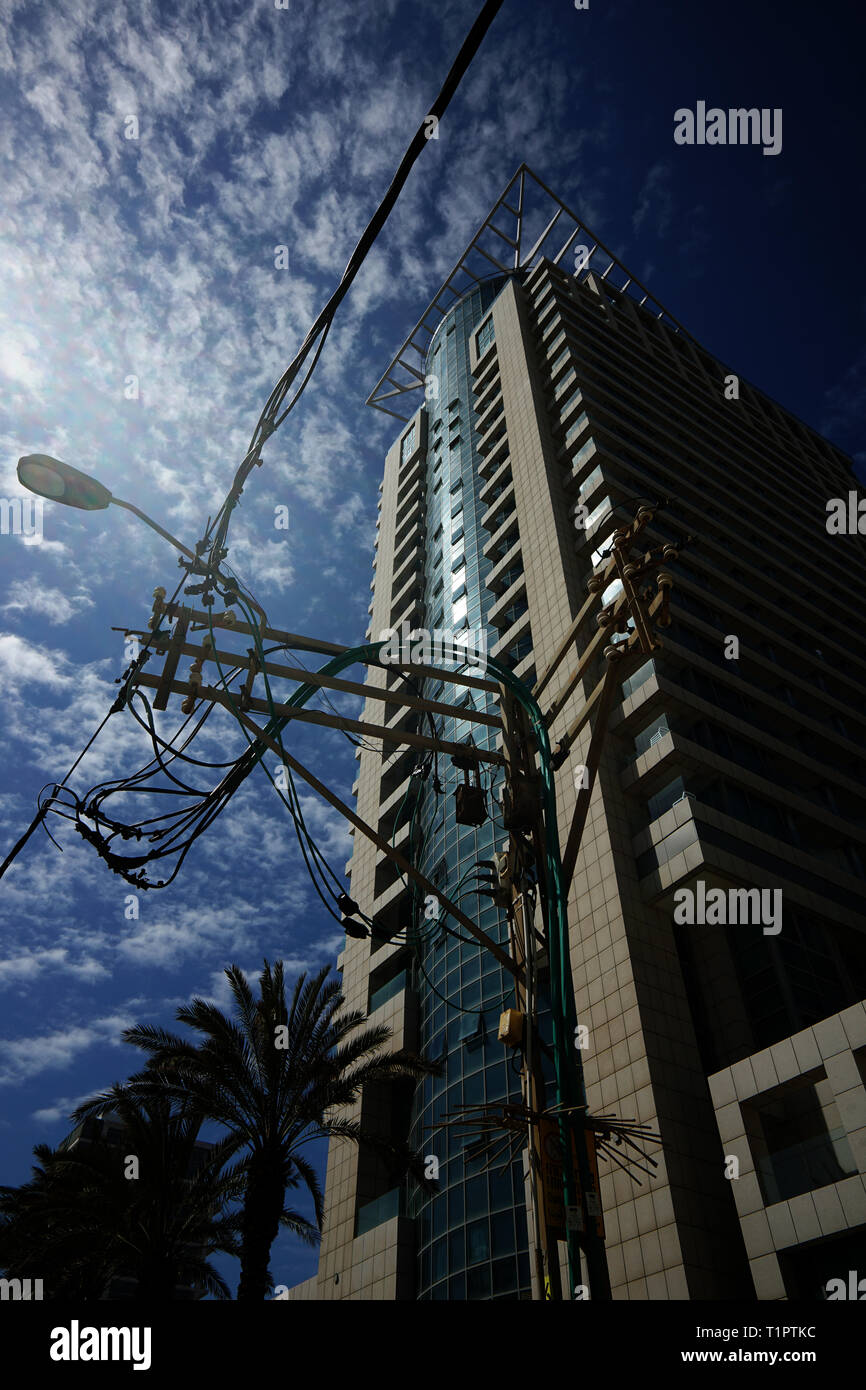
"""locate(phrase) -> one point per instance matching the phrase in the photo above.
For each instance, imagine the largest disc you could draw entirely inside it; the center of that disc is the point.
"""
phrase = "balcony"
(411, 539)
(400, 592)
(501, 534)
(411, 567)
(504, 505)
(410, 485)
(390, 804)
(411, 514)
(518, 629)
(396, 768)
(512, 556)
(512, 594)
(580, 460)
(386, 897)
(490, 440)
(498, 476)
(412, 613)
(485, 368)
(488, 465)
(484, 395)
(490, 413)
(398, 841)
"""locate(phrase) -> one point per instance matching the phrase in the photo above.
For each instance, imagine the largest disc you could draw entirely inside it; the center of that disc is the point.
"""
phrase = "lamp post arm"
(130, 507)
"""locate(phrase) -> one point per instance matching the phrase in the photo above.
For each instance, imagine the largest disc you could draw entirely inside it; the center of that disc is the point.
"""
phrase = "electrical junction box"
(471, 806)
(521, 802)
(511, 1027)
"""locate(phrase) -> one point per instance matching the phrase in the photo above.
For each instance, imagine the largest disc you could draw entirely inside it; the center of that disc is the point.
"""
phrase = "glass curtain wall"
(472, 1235)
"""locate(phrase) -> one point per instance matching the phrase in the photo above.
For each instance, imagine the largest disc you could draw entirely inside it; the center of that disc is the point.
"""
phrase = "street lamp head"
(59, 482)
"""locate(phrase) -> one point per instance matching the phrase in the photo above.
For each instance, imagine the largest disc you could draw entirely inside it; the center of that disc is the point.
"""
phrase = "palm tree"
(274, 1076)
(89, 1215)
(54, 1229)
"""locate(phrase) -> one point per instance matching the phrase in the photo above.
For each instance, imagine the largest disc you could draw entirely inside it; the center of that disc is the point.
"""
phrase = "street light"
(60, 482)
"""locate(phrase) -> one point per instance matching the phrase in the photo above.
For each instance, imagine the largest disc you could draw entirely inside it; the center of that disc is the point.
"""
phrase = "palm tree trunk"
(263, 1205)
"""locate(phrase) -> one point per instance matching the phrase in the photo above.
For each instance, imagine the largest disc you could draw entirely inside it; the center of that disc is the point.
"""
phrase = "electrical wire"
(309, 849)
(194, 819)
(269, 420)
(44, 807)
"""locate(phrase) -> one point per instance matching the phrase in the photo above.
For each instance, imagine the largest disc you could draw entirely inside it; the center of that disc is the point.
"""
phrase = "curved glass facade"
(472, 1235)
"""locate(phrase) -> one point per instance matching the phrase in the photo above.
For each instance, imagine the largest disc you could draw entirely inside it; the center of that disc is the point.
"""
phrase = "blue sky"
(154, 257)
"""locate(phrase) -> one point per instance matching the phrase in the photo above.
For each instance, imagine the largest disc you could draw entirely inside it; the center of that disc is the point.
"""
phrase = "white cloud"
(328, 827)
(26, 965)
(153, 258)
(62, 1108)
(23, 1058)
(19, 358)
(53, 604)
(25, 663)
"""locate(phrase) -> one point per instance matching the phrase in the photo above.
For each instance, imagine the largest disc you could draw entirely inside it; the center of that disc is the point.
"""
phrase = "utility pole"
(532, 870)
(521, 810)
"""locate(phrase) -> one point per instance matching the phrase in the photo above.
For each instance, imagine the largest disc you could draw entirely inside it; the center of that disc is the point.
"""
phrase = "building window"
(797, 1138)
(407, 446)
(484, 336)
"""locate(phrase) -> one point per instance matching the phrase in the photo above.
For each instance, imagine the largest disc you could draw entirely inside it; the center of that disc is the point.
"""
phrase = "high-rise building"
(541, 397)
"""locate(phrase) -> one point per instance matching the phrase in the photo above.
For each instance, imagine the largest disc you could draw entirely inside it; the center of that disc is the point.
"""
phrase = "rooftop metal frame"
(494, 251)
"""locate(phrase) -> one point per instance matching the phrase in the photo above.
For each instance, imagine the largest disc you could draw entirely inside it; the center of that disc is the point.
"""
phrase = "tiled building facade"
(736, 764)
